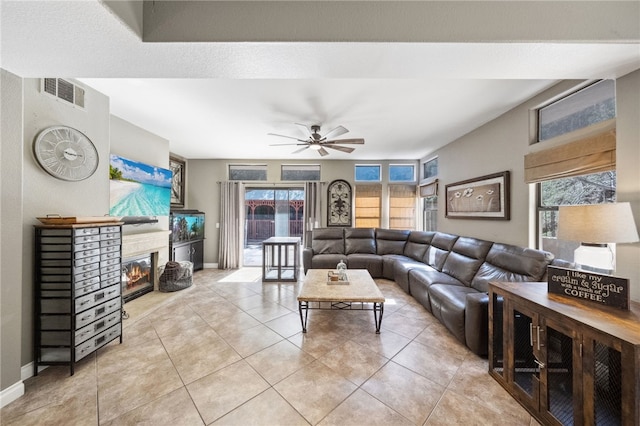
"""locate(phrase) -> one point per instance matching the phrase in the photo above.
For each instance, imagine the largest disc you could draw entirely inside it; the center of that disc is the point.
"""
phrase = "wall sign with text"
(584, 285)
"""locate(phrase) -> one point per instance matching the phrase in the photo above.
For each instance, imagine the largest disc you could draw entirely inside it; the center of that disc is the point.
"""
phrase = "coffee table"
(361, 293)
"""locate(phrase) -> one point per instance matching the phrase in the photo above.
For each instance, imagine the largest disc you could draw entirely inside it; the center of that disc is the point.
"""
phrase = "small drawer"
(109, 262)
(110, 268)
(107, 243)
(55, 263)
(55, 240)
(87, 246)
(87, 239)
(110, 249)
(87, 289)
(55, 278)
(56, 255)
(87, 253)
(110, 275)
(86, 267)
(86, 275)
(110, 255)
(55, 247)
(55, 232)
(110, 282)
(86, 260)
(110, 230)
(86, 231)
(110, 236)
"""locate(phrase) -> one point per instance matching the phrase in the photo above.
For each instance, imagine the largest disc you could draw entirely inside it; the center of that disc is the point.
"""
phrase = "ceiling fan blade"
(340, 130)
(305, 129)
(322, 152)
(285, 136)
(301, 149)
(285, 144)
(340, 148)
(344, 141)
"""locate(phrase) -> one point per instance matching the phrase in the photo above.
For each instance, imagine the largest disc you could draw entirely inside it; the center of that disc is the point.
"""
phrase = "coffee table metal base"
(376, 307)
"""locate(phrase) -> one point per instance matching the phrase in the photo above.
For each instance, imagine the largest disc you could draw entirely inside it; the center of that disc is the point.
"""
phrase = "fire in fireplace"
(137, 276)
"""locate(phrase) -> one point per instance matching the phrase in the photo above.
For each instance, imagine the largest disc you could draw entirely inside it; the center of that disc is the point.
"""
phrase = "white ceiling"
(219, 100)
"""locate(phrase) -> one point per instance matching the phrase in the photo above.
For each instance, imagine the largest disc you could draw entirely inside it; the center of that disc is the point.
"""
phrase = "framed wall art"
(339, 203)
(178, 167)
(485, 197)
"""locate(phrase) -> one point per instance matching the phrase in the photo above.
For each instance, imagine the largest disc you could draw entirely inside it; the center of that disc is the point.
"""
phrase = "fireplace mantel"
(147, 242)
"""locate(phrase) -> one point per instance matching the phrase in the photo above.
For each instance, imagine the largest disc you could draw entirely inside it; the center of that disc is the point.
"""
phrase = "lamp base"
(599, 257)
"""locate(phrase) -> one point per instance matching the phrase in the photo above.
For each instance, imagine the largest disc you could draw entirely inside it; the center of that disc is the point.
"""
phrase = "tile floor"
(231, 353)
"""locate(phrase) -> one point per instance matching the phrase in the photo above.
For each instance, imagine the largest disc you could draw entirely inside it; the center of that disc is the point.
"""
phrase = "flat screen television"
(186, 225)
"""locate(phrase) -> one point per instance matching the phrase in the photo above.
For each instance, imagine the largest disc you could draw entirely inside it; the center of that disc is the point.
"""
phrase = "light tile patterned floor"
(231, 353)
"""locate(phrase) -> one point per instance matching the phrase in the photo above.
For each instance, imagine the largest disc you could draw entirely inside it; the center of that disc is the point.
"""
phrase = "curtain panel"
(231, 239)
(312, 209)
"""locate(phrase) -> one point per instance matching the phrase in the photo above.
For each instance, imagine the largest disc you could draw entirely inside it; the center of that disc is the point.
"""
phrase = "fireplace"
(137, 276)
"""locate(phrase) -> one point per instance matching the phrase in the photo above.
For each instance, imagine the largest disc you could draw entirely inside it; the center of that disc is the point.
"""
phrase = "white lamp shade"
(597, 223)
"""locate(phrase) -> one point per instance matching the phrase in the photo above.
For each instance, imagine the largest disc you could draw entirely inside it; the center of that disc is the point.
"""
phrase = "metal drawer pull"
(531, 333)
(85, 302)
(85, 318)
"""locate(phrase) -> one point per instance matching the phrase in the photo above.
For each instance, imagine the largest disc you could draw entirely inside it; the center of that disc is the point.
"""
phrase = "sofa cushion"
(388, 265)
(421, 280)
(441, 245)
(391, 241)
(328, 241)
(417, 244)
(370, 262)
(506, 262)
(359, 240)
(448, 305)
(401, 268)
(465, 258)
(327, 261)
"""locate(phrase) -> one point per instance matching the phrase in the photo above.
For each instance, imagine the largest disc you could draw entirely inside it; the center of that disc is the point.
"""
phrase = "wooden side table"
(280, 259)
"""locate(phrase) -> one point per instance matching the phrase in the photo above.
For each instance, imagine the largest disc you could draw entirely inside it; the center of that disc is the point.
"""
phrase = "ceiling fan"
(318, 142)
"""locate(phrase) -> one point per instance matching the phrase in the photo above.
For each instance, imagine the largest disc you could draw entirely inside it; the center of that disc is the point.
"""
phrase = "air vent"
(64, 90)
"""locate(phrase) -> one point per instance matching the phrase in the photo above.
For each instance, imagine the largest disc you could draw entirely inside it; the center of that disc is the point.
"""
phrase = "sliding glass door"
(273, 212)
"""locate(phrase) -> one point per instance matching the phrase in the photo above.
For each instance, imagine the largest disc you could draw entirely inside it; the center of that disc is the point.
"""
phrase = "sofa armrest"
(307, 255)
(476, 327)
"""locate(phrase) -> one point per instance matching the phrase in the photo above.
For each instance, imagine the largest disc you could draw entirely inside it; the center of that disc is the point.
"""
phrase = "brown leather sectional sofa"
(447, 274)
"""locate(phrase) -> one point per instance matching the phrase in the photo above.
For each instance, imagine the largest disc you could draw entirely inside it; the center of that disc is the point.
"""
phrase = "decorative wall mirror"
(339, 203)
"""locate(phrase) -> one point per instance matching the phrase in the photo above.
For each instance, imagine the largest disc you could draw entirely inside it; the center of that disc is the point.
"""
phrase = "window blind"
(591, 154)
(429, 189)
(402, 206)
(368, 205)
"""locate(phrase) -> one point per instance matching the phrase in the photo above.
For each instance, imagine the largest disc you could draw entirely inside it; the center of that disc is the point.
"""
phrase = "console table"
(280, 259)
(565, 361)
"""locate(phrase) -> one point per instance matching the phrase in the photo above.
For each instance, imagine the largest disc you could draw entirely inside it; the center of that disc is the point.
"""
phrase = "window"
(301, 172)
(591, 105)
(596, 188)
(430, 213)
(368, 205)
(430, 168)
(402, 206)
(248, 172)
(368, 173)
(402, 173)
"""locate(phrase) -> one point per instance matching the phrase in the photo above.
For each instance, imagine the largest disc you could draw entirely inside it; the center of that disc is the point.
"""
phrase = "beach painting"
(138, 189)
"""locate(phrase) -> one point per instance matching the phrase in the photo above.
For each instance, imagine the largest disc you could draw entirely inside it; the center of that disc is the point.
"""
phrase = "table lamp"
(595, 226)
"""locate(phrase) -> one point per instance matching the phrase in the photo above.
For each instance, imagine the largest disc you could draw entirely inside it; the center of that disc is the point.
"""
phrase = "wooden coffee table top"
(361, 288)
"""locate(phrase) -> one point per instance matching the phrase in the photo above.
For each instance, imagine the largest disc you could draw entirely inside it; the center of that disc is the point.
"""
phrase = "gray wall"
(10, 229)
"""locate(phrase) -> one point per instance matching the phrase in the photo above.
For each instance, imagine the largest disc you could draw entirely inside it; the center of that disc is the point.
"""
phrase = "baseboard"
(11, 393)
(210, 266)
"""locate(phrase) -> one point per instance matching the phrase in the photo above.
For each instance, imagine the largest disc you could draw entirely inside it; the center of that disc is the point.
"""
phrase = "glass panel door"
(270, 213)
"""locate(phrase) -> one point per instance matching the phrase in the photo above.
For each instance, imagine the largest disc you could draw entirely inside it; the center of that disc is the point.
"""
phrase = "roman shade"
(592, 154)
(429, 189)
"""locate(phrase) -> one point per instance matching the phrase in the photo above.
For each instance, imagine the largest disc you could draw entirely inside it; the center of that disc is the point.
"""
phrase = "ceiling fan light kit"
(317, 142)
